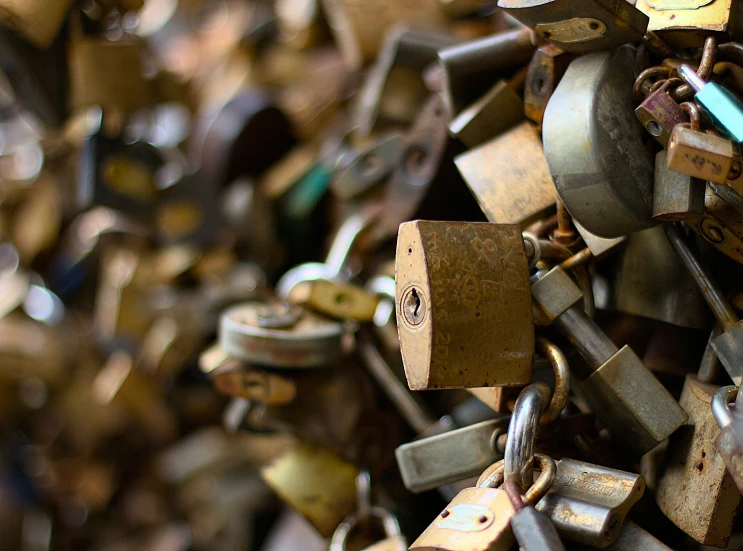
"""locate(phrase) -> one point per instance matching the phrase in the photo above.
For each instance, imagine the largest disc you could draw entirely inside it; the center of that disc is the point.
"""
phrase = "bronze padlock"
(463, 308)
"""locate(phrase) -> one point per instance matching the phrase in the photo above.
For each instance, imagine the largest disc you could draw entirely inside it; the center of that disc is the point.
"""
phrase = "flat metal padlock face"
(341, 301)
(426, 463)
(497, 110)
(637, 289)
(706, 507)
(37, 21)
(686, 23)
(38, 78)
(476, 520)
(463, 303)
(588, 503)
(509, 176)
(699, 154)
(369, 168)
(276, 334)
(118, 175)
(314, 482)
(360, 26)
(594, 146)
(469, 68)
(188, 212)
(106, 73)
(676, 196)
(580, 26)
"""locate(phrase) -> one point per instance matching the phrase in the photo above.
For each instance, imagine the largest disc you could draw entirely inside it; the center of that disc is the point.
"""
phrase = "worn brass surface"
(685, 24)
(695, 491)
(314, 482)
(509, 176)
(463, 305)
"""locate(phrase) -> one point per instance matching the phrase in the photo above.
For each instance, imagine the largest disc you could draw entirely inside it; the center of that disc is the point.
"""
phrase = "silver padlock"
(594, 146)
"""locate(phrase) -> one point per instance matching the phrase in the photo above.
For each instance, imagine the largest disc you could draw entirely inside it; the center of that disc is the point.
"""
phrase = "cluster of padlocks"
(238, 237)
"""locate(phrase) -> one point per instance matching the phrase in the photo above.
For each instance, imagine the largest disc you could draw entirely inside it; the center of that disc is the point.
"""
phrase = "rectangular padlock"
(509, 176)
(686, 23)
(470, 68)
(427, 463)
(580, 26)
(694, 490)
(463, 313)
(316, 483)
(700, 155)
(545, 71)
(588, 503)
(478, 519)
(631, 538)
(659, 113)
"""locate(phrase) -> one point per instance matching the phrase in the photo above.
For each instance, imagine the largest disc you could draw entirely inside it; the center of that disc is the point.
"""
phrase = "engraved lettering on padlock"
(450, 275)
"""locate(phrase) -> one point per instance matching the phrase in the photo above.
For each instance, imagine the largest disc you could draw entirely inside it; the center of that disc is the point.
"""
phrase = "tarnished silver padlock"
(594, 146)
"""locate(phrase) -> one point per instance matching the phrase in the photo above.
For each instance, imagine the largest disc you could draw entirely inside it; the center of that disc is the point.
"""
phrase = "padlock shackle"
(721, 405)
(562, 380)
(522, 433)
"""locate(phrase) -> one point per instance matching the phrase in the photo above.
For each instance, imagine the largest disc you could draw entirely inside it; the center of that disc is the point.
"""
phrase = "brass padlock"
(478, 519)
(106, 73)
(686, 23)
(316, 483)
(463, 308)
(659, 113)
(497, 110)
(580, 26)
(700, 154)
(255, 385)
(37, 21)
(337, 300)
(545, 71)
(509, 176)
(695, 491)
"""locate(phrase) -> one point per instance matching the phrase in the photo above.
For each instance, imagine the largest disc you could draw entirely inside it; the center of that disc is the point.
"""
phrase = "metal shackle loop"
(492, 477)
(721, 405)
(562, 380)
(522, 433)
(340, 536)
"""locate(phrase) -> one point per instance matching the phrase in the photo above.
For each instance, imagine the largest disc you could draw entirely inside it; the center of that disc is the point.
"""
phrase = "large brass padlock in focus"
(580, 26)
(463, 305)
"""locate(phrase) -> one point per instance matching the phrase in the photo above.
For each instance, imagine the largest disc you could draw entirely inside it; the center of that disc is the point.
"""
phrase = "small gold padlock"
(479, 518)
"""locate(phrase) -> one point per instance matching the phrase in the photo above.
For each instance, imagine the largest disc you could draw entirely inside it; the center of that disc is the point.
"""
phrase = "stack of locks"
(238, 237)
